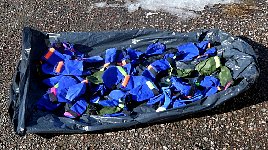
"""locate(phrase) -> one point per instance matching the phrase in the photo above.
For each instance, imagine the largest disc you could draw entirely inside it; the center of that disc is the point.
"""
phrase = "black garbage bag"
(27, 86)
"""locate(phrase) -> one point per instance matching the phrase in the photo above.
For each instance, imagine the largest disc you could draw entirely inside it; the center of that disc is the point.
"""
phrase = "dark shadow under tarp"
(27, 87)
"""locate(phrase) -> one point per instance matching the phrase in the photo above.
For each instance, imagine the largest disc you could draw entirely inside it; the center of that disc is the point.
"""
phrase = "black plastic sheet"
(26, 87)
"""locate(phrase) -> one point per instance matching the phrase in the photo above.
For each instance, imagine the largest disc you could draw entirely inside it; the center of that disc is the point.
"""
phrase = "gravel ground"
(240, 123)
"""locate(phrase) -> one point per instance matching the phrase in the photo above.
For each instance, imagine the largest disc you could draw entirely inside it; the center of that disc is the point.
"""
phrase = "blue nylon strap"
(187, 52)
(79, 107)
(155, 49)
(210, 84)
(134, 54)
(211, 52)
(109, 103)
(180, 86)
(94, 99)
(112, 77)
(158, 98)
(141, 93)
(75, 91)
(52, 81)
(135, 81)
(113, 55)
(167, 102)
(130, 70)
(203, 45)
(117, 94)
(62, 86)
(178, 104)
(45, 104)
(93, 59)
(160, 65)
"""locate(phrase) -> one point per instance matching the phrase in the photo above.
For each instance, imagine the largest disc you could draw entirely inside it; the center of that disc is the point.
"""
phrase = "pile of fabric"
(114, 83)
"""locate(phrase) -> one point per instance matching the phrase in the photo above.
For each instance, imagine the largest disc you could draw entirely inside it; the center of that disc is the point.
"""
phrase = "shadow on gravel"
(258, 93)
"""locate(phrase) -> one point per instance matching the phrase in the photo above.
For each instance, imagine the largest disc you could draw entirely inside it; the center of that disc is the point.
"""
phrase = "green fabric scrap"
(109, 110)
(93, 109)
(208, 66)
(56, 85)
(225, 75)
(184, 72)
(96, 78)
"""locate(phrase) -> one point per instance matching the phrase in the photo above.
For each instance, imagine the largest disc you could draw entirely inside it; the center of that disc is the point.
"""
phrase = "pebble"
(205, 139)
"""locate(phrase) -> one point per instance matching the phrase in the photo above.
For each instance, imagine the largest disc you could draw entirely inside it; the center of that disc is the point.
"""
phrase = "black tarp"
(26, 87)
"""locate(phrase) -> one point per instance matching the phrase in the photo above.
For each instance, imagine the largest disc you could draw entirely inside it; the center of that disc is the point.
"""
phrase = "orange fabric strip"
(106, 65)
(209, 45)
(59, 66)
(85, 81)
(125, 81)
(49, 53)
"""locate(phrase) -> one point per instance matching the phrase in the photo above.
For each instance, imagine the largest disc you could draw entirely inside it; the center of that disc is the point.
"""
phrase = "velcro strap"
(121, 69)
(126, 80)
(49, 53)
(59, 67)
(151, 69)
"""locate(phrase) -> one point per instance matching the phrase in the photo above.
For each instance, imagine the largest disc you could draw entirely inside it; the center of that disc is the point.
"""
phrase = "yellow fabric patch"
(217, 61)
(56, 85)
(150, 84)
(121, 69)
(121, 105)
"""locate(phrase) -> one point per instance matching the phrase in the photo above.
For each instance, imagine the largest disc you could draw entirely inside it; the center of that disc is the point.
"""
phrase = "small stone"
(165, 148)
(263, 110)
(129, 145)
(205, 139)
